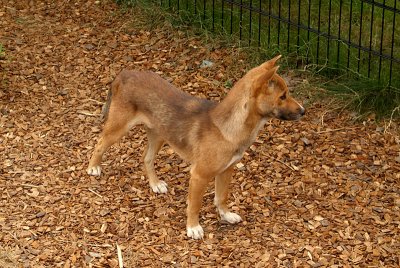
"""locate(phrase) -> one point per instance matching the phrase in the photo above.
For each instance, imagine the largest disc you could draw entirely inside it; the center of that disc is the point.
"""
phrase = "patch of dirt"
(320, 192)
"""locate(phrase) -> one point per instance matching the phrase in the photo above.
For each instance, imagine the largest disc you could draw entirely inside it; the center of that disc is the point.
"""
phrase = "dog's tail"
(113, 91)
(106, 106)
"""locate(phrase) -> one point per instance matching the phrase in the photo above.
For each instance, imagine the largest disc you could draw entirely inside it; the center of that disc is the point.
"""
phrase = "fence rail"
(360, 36)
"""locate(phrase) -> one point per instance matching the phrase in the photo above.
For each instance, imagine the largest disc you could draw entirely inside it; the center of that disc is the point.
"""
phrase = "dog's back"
(176, 112)
(149, 90)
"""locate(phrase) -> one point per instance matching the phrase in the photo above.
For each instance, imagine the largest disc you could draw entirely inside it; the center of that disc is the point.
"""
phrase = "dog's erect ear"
(263, 79)
(271, 63)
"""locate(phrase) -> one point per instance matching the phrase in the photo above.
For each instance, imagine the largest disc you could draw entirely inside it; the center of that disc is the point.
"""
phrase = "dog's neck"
(235, 117)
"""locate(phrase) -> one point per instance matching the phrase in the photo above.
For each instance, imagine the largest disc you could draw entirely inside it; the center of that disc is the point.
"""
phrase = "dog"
(211, 136)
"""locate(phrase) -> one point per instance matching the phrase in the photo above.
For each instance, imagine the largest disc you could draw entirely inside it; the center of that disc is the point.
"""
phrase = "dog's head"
(271, 94)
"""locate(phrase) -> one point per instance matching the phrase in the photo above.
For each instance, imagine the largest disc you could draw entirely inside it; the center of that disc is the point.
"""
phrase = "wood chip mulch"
(322, 192)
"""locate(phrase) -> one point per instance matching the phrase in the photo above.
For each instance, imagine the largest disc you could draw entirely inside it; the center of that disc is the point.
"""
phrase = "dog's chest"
(246, 144)
(238, 154)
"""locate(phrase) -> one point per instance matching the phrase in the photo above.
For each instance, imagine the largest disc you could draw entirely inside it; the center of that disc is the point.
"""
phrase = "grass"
(366, 96)
(359, 75)
(3, 79)
(2, 52)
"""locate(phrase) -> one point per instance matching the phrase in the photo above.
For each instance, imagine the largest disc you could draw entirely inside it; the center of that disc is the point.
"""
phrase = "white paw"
(95, 171)
(195, 232)
(160, 187)
(230, 217)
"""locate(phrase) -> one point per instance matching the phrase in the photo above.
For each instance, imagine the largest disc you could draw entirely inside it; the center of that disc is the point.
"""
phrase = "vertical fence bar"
(349, 37)
(381, 45)
(241, 20)
(298, 32)
(187, 4)
(308, 32)
(259, 24)
(319, 29)
(250, 21)
(204, 10)
(329, 30)
(222, 14)
(370, 40)
(279, 21)
(269, 22)
(339, 37)
(195, 7)
(288, 27)
(231, 18)
(392, 49)
(359, 38)
(213, 15)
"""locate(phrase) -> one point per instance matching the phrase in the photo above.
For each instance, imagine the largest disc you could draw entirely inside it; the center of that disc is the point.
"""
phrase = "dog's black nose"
(302, 111)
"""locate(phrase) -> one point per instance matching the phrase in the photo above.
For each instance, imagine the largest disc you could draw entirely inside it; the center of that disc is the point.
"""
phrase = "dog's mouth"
(289, 116)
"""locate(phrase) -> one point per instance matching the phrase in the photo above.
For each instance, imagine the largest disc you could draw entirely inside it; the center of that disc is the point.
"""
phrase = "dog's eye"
(283, 97)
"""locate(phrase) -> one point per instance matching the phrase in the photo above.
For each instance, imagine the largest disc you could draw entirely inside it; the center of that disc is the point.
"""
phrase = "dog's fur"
(211, 136)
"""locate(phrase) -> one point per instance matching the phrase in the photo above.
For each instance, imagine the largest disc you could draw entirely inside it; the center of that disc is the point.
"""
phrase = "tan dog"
(211, 136)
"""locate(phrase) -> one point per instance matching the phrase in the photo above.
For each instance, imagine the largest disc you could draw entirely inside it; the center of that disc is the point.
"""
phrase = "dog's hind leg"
(117, 125)
(221, 196)
(154, 145)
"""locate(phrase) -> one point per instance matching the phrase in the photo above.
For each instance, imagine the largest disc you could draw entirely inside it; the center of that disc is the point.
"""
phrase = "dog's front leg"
(222, 194)
(197, 187)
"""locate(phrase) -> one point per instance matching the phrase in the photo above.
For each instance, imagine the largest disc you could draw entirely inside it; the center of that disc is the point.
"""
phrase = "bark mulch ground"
(322, 192)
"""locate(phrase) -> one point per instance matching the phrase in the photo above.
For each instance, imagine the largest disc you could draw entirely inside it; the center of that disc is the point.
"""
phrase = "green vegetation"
(367, 96)
(3, 77)
(361, 76)
(2, 52)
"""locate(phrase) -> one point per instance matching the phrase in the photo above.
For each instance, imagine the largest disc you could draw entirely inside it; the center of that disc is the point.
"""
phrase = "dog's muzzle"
(292, 116)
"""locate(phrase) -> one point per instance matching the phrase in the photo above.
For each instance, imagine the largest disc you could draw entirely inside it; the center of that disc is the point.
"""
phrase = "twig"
(17, 172)
(326, 112)
(99, 246)
(14, 236)
(119, 253)
(30, 185)
(391, 119)
(86, 244)
(99, 195)
(334, 130)
(87, 113)
(96, 101)
(136, 190)
(280, 161)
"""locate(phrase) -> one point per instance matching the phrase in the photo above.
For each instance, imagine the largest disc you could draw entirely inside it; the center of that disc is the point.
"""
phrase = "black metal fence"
(358, 36)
